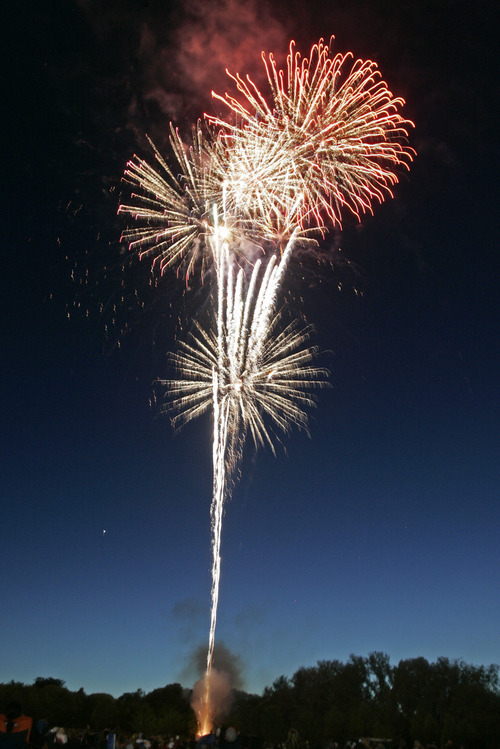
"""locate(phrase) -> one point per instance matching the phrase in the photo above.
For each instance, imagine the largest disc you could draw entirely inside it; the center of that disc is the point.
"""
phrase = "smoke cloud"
(161, 61)
(226, 34)
(180, 72)
(224, 661)
(219, 688)
(225, 676)
(186, 615)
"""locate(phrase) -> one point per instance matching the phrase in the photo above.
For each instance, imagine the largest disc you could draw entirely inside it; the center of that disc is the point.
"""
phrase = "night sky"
(379, 533)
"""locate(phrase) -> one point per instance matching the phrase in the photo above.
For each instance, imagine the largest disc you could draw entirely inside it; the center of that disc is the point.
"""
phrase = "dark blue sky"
(381, 532)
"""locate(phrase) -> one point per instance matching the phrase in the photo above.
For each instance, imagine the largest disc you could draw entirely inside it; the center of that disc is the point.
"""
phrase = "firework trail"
(255, 376)
(328, 140)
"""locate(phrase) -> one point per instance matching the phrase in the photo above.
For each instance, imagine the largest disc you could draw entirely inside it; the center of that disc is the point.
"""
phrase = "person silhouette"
(15, 727)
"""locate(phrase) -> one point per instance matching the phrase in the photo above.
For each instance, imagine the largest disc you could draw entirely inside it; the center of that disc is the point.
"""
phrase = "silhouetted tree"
(128, 706)
(42, 681)
(101, 711)
(171, 704)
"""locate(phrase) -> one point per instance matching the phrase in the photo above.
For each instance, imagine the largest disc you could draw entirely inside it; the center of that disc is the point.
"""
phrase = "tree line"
(434, 703)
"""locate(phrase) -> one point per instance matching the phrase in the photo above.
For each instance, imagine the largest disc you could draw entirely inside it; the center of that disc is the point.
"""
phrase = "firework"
(174, 206)
(328, 140)
(174, 211)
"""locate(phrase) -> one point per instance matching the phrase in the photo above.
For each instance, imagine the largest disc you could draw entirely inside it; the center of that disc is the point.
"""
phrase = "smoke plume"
(225, 676)
(219, 688)
(224, 661)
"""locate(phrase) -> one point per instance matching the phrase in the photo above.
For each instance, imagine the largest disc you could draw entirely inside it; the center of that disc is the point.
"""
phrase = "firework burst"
(175, 206)
(328, 139)
(174, 211)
